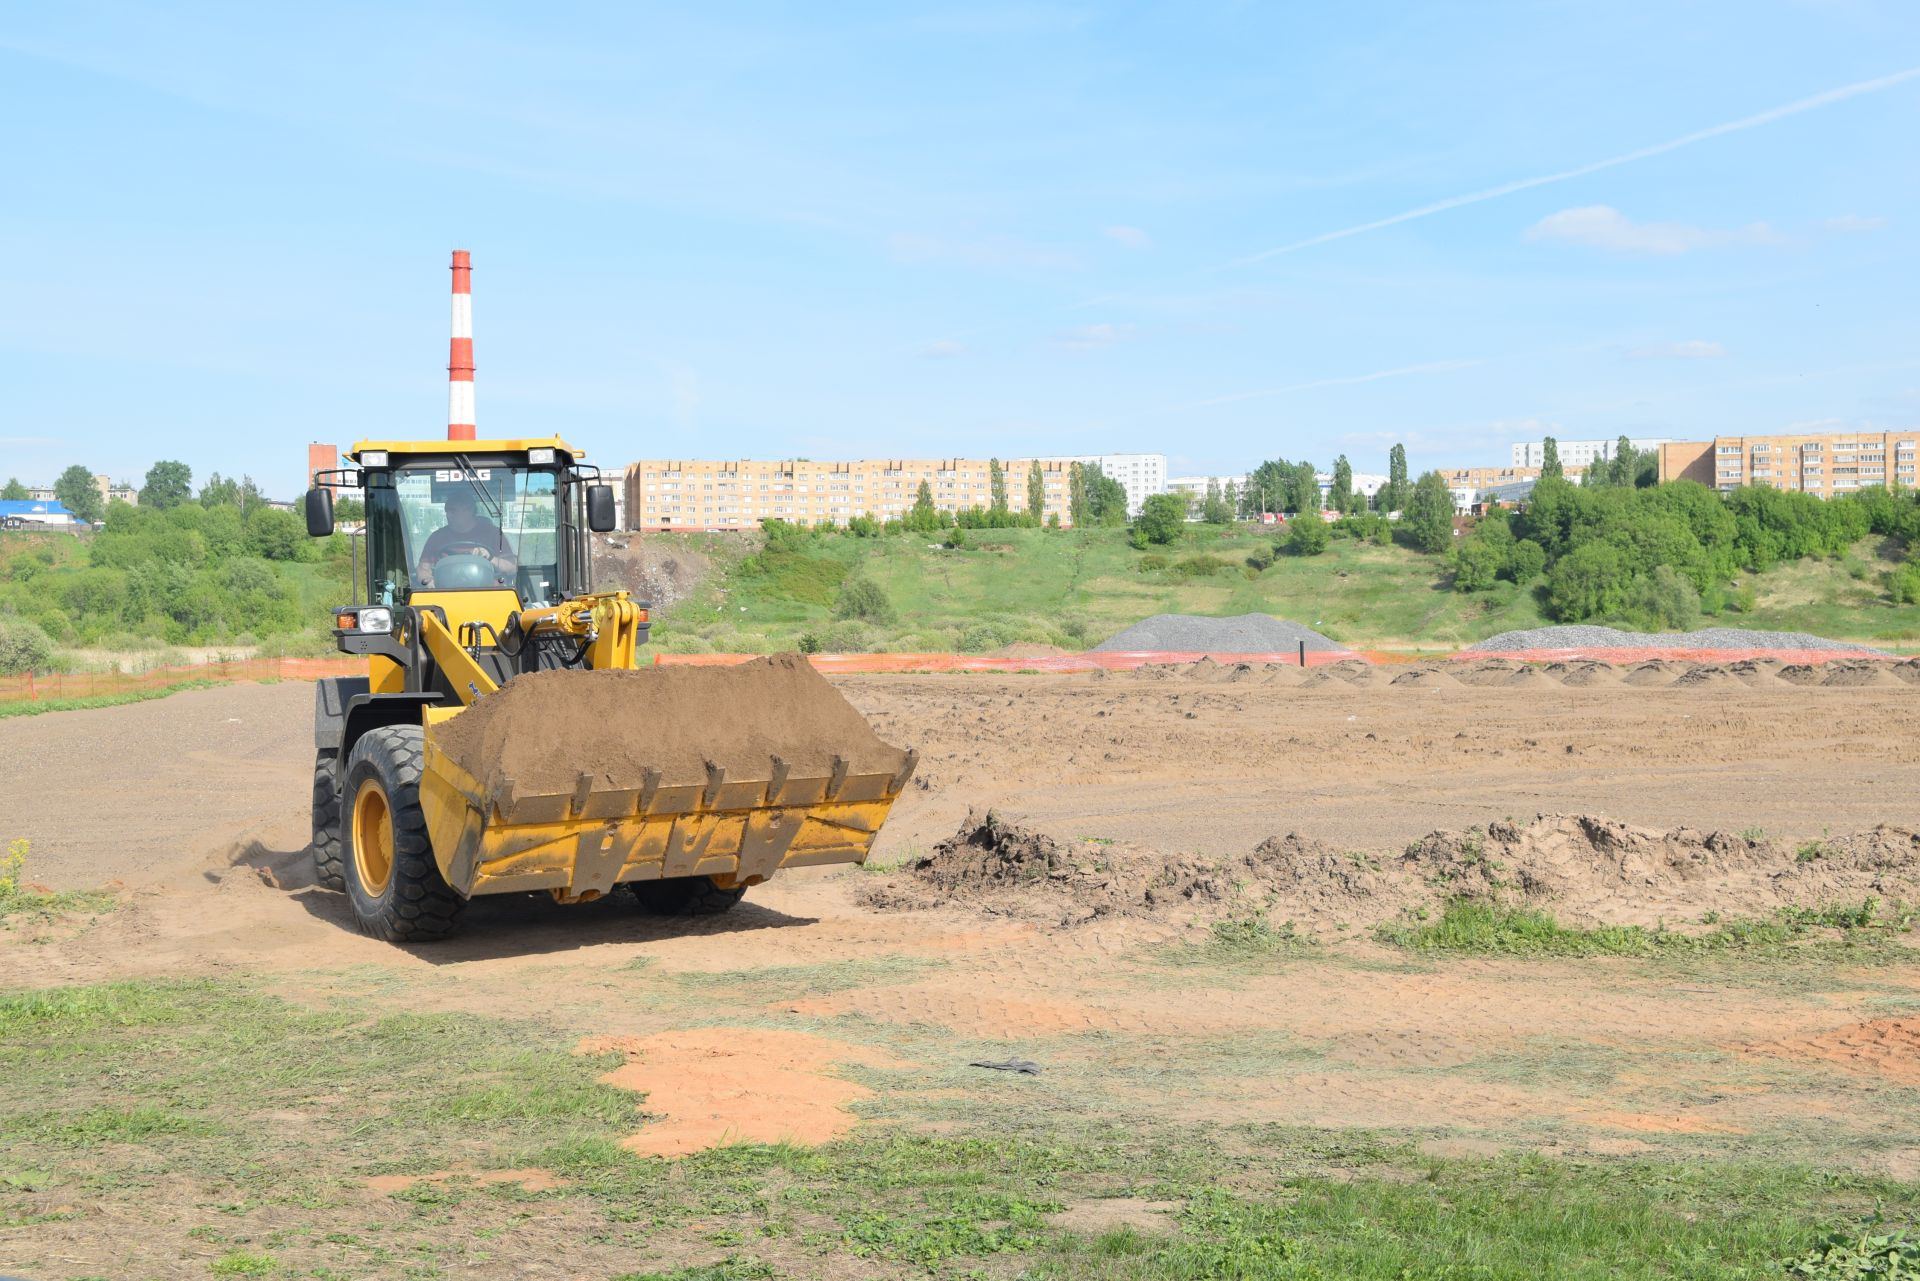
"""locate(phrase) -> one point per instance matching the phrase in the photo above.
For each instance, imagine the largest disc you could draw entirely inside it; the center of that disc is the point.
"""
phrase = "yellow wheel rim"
(372, 838)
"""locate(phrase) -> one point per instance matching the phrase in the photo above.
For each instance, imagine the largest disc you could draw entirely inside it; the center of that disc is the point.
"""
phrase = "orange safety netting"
(64, 685)
(1610, 654)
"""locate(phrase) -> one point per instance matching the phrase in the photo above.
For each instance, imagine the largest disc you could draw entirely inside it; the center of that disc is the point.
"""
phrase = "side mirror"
(600, 517)
(319, 512)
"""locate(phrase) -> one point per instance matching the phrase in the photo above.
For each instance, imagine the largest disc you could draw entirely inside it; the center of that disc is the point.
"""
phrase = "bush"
(1308, 534)
(23, 648)
(1526, 561)
(849, 636)
(1662, 601)
(1587, 582)
(1150, 562)
(1260, 560)
(1904, 582)
(1199, 566)
(861, 597)
(986, 634)
(1477, 563)
(1162, 519)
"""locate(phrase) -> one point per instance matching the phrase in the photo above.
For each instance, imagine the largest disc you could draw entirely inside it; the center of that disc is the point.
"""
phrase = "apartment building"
(708, 494)
(1578, 453)
(1823, 465)
(1141, 475)
(1478, 478)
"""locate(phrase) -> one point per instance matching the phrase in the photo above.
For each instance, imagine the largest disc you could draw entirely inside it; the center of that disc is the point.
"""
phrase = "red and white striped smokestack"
(460, 351)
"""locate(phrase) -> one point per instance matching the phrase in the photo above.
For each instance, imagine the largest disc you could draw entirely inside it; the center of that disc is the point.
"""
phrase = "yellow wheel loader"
(506, 737)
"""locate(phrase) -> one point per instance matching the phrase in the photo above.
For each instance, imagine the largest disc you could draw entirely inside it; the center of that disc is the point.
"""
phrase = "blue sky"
(872, 230)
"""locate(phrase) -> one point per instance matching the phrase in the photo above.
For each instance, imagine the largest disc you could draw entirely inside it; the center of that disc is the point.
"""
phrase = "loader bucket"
(576, 781)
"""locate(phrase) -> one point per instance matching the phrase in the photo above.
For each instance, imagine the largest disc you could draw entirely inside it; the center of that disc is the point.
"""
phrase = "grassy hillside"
(1075, 588)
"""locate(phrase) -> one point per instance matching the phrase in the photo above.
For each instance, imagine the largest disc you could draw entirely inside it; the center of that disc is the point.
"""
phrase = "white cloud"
(1604, 227)
(1131, 237)
(1688, 349)
(1088, 337)
(943, 349)
(989, 251)
(1850, 224)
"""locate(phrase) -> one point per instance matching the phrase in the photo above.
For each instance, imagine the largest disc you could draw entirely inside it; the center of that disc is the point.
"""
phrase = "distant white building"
(1578, 453)
(1194, 488)
(1141, 475)
(1365, 483)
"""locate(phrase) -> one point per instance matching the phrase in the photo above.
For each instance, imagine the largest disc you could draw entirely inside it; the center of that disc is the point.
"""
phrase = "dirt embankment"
(1587, 871)
(661, 573)
(542, 731)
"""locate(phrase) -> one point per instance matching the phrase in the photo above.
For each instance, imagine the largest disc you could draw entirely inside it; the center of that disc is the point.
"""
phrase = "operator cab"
(473, 516)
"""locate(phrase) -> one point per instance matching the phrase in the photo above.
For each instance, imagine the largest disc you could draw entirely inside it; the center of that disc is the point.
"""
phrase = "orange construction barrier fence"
(1621, 657)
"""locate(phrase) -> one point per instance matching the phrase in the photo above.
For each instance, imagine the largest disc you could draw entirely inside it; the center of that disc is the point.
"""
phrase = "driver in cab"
(466, 533)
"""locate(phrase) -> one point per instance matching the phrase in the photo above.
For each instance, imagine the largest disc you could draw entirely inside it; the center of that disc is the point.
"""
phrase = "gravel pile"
(1585, 637)
(1191, 634)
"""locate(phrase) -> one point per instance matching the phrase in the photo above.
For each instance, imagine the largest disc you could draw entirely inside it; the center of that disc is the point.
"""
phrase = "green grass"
(1074, 588)
(1467, 925)
(255, 1119)
(1240, 940)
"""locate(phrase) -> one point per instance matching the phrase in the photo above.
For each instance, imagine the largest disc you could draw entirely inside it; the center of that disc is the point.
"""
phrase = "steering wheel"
(466, 565)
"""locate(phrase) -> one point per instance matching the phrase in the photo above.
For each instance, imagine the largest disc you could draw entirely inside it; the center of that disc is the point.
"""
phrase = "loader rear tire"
(685, 896)
(326, 821)
(396, 888)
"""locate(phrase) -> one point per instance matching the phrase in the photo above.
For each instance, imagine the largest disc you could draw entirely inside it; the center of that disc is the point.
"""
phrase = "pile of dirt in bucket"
(1586, 871)
(542, 731)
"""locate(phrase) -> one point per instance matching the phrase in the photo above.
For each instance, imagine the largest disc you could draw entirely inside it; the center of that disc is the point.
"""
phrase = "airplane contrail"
(1840, 94)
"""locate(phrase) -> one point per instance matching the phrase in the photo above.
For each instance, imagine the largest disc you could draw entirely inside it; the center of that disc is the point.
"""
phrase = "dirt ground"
(196, 806)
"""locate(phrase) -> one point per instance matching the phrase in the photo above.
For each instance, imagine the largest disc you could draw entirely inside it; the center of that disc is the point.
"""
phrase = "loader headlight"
(376, 620)
(540, 457)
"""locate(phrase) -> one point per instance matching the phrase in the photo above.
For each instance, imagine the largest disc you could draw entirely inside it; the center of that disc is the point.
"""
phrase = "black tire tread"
(418, 906)
(328, 870)
(685, 896)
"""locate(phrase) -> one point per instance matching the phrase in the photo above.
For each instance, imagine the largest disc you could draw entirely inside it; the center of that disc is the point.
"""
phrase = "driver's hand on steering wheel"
(505, 563)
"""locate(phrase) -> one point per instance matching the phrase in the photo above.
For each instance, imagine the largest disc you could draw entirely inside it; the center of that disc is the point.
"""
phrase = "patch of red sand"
(720, 1085)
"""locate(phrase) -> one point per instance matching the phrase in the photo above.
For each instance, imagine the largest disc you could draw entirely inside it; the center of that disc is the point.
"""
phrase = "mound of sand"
(542, 731)
(1587, 871)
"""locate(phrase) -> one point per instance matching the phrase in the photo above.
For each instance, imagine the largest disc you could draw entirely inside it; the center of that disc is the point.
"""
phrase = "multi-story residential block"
(1825, 464)
(1141, 475)
(708, 494)
(1578, 453)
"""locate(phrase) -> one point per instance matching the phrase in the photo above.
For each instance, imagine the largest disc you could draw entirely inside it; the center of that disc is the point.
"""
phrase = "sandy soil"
(197, 805)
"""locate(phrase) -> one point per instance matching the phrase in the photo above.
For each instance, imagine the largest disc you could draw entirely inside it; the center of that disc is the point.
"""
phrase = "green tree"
(1036, 494)
(1588, 582)
(860, 597)
(76, 491)
(1214, 508)
(15, 492)
(1309, 533)
(997, 487)
(275, 535)
(1623, 469)
(1429, 514)
(1341, 495)
(1106, 498)
(1394, 494)
(1160, 520)
(1077, 509)
(1306, 487)
(925, 517)
(1267, 487)
(1526, 561)
(168, 485)
(1550, 468)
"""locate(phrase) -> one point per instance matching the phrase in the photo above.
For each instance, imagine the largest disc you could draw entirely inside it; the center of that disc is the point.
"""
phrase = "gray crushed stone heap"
(1192, 634)
(1585, 637)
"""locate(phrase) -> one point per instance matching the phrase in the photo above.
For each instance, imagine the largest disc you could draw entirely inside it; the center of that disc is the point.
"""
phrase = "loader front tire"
(395, 886)
(685, 896)
(326, 821)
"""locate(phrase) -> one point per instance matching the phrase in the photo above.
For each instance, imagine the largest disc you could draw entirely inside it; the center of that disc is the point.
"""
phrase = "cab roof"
(398, 450)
